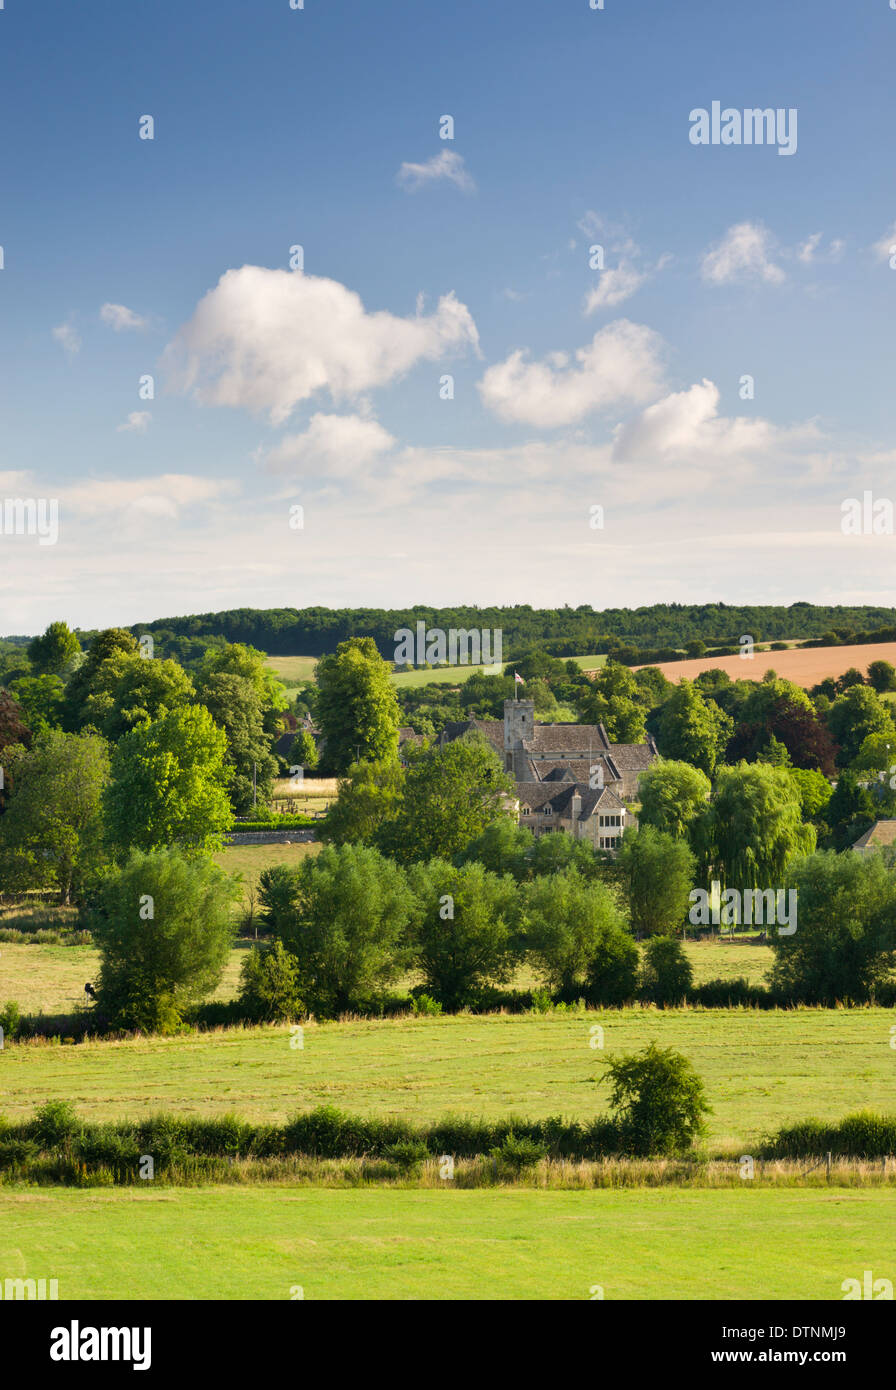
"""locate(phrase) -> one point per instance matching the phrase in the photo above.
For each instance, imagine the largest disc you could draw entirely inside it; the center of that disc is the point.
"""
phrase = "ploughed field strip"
(263, 1243)
(761, 1069)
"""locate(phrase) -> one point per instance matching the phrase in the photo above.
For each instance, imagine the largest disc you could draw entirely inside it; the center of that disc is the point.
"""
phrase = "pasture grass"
(761, 1069)
(51, 979)
(505, 1243)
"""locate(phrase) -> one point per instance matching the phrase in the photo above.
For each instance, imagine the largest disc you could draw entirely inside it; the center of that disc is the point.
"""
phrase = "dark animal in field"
(90, 991)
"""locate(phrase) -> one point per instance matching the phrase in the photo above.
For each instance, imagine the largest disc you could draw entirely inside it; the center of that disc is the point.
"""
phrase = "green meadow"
(282, 1243)
(51, 979)
(762, 1069)
(292, 670)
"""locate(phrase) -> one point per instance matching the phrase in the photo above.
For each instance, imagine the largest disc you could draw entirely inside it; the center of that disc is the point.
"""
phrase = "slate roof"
(537, 795)
(493, 729)
(566, 738)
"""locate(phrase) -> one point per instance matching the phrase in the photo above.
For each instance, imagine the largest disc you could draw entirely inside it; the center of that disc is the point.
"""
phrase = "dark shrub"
(269, 984)
(658, 1101)
(666, 973)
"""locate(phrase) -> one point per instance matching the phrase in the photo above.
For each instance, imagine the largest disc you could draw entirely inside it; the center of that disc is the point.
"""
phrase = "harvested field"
(806, 668)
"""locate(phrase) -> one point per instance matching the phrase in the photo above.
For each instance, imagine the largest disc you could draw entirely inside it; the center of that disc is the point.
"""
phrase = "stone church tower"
(519, 726)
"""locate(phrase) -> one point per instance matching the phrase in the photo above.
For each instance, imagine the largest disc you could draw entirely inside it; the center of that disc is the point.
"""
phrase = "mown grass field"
(51, 979)
(292, 670)
(501, 1244)
(761, 1069)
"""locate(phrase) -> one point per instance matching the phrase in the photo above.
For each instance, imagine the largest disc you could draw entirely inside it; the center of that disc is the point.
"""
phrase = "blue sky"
(573, 387)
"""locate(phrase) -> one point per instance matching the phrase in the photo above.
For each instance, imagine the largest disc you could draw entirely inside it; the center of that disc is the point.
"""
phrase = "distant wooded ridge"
(560, 631)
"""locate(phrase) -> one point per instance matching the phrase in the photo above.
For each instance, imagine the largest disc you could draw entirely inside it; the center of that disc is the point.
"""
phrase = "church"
(569, 777)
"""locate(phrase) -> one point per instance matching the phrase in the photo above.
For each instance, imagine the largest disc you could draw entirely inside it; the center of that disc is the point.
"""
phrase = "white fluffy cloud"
(446, 165)
(686, 425)
(620, 365)
(745, 251)
(119, 317)
(266, 339)
(338, 445)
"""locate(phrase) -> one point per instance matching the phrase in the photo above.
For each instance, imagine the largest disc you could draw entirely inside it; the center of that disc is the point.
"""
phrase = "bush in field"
(657, 1100)
(462, 929)
(10, 1020)
(666, 972)
(164, 927)
(269, 984)
(517, 1153)
(347, 927)
(845, 943)
(569, 923)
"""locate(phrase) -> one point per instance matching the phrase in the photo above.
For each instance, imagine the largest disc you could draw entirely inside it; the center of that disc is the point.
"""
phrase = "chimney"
(575, 811)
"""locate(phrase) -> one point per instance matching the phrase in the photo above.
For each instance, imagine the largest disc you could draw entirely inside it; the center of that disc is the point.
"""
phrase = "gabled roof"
(883, 832)
(537, 795)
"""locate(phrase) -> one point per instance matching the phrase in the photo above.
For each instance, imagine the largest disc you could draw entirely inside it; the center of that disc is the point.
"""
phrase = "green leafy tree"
(369, 795)
(145, 689)
(53, 653)
(51, 831)
(348, 928)
(692, 729)
(502, 848)
(851, 811)
(234, 703)
(269, 984)
(164, 927)
(754, 826)
(89, 694)
(169, 785)
(549, 854)
(882, 676)
(303, 752)
(568, 922)
(674, 795)
(666, 972)
(845, 942)
(855, 715)
(237, 659)
(357, 711)
(41, 701)
(450, 795)
(815, 792)
(658, 1101)
(462, 930)
(658, 873)
(614, 700)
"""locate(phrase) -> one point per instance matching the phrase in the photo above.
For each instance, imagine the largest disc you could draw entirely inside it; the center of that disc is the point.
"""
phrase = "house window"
(525, 810)
(548, 809)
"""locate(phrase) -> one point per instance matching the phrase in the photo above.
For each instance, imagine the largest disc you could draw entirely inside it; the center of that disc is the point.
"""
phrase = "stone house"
(569, 777)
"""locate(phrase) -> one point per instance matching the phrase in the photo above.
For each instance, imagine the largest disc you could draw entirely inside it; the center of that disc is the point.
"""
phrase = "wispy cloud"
(68, 336)
(137, 422)
(119, 317)
(745, 252)
(445, 166)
